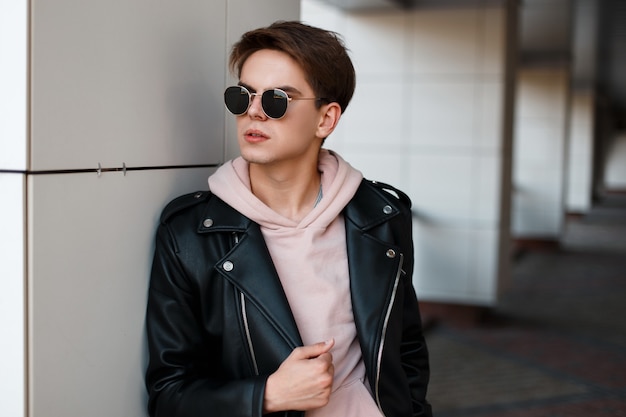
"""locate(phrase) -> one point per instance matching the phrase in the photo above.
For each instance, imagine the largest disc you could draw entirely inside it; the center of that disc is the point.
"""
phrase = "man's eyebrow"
(286, 88)
(290, 89)
(246, 86)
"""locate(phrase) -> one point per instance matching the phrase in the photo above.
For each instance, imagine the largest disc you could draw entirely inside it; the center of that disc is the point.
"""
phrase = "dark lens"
(237, 100)
(274, 103)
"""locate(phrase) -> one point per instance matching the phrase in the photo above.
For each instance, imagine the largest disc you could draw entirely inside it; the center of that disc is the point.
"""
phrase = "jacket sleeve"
(183, 377)
(414, 353)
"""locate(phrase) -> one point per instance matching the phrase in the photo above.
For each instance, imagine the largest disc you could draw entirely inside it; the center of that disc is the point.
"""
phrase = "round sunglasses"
(273, 102)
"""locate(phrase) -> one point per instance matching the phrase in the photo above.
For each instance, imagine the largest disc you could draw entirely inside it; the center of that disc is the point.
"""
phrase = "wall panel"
(127, 82)
(90, 245)
(13, 84)
(539, 153)
(12, 295)
(580, 152)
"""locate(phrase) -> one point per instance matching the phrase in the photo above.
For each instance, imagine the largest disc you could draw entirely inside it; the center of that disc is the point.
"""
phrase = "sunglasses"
(273, 102)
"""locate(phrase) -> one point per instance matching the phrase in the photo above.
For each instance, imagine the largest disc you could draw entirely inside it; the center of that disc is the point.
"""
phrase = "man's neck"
(292, 194)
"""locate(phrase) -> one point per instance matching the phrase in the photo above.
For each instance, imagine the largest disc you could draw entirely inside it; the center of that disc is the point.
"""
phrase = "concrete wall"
(114, 107)
(429, 116)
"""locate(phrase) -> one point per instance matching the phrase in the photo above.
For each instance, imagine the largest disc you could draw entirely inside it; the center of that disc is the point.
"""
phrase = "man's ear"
(329, 117)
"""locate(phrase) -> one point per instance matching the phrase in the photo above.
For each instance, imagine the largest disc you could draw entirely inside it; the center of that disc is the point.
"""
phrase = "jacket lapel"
(250, 268)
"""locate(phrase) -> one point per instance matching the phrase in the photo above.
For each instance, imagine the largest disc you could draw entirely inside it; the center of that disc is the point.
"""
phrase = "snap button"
(207, 222)
(197, 195)
(391, 253)
(387, 209)
(228, 266)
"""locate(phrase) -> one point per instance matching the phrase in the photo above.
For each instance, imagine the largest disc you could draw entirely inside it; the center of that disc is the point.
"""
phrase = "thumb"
(314, 350)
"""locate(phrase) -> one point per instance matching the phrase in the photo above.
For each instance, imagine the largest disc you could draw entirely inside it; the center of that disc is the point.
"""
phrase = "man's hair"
(321, 54)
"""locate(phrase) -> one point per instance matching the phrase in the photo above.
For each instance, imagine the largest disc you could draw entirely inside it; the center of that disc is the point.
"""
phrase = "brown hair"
(321, 54)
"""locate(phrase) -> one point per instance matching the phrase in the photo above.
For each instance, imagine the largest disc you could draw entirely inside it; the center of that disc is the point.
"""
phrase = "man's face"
(293, 139)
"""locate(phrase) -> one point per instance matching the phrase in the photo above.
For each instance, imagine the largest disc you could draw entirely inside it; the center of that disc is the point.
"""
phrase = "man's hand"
(303, 381)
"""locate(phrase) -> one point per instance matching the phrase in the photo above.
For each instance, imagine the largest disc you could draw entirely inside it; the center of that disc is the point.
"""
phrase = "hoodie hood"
(231, 183)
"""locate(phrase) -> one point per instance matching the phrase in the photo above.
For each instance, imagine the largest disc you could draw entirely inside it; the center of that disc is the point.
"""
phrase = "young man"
(286, 288)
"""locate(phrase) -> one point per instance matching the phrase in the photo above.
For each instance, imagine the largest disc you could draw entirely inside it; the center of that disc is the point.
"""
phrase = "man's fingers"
(313, 351)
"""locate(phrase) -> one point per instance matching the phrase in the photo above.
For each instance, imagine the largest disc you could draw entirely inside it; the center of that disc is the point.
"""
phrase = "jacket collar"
(369, 207)
(219, 217)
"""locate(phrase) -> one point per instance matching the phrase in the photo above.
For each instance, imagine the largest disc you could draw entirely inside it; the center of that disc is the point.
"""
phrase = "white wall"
(13, 84)
(13, 159)
(427, 116)
(539, 152)
(12, 296)
(107, 84)
(580, 151)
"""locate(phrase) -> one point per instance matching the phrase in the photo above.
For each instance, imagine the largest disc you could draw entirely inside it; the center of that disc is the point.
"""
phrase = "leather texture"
(219, 324)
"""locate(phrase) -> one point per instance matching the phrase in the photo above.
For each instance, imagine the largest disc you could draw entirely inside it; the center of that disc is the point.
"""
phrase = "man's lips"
(253, 135)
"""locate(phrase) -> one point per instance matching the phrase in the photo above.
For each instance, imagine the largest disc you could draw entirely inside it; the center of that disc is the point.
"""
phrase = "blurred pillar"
(432, 115)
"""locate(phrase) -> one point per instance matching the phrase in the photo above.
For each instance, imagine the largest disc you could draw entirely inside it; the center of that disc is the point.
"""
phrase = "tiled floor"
(555, 346)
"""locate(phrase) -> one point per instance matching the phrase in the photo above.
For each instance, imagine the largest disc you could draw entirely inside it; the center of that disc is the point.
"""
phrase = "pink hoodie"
(311, 259)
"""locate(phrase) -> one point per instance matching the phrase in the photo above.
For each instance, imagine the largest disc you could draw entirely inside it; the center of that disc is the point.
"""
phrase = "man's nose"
(256, 107)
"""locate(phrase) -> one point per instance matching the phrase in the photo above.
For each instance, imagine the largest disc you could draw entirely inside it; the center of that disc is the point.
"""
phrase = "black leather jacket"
(218, 321)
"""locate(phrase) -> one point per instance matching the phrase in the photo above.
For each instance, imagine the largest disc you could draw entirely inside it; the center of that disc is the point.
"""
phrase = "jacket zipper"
(248, 337)
(384, 332)
(244, 317)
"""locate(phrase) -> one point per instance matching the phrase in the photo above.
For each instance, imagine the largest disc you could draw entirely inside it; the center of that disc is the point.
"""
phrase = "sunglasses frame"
(261, 94)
